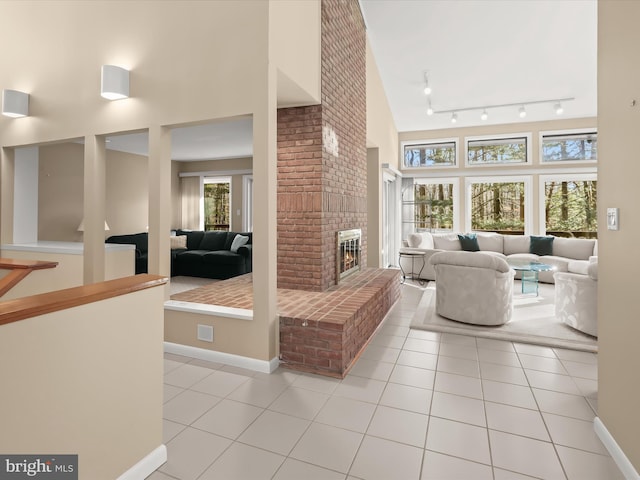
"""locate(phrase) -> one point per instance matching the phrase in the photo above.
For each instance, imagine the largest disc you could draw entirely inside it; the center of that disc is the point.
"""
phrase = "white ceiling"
(212, 141)
(476, 53)
(484, 52)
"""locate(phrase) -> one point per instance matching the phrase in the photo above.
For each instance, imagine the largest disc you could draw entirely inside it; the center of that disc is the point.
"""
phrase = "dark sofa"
(208, 254)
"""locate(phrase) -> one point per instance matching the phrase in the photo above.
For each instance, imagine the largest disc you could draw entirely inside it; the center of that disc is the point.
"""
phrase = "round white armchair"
(577, 299)
(473, 287)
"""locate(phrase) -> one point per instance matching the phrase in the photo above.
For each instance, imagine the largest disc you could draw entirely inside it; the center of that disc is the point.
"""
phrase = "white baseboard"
(256, 365)
(147, 465)
(615, 451)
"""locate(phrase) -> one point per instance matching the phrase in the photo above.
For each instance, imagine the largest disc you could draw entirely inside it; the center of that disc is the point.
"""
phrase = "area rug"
(533, 321)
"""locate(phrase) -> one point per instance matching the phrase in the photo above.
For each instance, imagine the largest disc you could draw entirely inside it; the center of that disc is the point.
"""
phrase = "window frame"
(209, 179)
(435, 141)
(503, 136)
(572, 131)
(455, 181)
(528, 196)
(560, 177)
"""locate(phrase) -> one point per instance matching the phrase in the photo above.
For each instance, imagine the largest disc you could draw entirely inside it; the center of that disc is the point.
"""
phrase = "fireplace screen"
(348, 254)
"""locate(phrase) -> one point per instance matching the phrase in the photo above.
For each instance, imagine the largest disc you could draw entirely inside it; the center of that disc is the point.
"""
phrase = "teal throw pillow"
(541, 245)
(469, 242)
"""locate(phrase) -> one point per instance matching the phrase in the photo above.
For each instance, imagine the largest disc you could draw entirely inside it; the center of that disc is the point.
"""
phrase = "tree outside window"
(433, 207)
(569, 147)
(498, 207)
(216, 204)
(497, 151)
(570, 208)
(435, 154)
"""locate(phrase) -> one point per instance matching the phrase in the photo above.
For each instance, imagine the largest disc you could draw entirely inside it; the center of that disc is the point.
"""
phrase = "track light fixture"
(429, 109)
(427, 87)
(522, 111)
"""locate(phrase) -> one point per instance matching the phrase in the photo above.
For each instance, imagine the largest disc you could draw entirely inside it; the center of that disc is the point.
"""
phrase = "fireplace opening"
(348, 254)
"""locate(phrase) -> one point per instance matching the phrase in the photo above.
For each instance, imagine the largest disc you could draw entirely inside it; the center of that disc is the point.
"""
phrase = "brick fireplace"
(322, 190)
(322, 158)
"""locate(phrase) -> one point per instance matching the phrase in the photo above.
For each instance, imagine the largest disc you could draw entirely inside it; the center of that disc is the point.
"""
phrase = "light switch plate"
(613, 218)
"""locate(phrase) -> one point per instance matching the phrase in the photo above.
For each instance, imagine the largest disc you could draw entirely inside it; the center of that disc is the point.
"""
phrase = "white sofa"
(576, 302)
(568, 255)
(473, 288)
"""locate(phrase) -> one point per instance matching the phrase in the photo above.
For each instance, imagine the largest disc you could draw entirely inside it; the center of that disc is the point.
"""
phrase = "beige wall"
(127, 193)
(618, 126)
(211, 168)
(61, 192)
(69, 392)
(535, 169)
(382, 145)
(294, 43)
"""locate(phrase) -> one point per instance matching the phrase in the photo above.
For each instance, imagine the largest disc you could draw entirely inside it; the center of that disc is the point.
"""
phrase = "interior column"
(95, 159)
(159, 200)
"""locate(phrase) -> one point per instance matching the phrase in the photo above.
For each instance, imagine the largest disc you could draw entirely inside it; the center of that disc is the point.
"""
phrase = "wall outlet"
(205, 333)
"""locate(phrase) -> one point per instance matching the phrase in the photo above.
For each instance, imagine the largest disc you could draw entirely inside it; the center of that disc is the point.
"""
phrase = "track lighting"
(522, 111)
(427, 87)
(429, 109)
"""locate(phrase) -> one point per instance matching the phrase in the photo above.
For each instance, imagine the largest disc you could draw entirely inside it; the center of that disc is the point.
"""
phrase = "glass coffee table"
(529, 271)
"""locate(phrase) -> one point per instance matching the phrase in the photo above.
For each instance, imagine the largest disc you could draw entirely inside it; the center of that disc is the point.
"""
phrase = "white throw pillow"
(178, 241)
(239, 241)
(414, 240)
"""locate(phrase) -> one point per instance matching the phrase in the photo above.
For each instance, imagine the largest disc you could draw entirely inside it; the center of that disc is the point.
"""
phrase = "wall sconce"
(15, 104)
(115, 82)
(81, 226)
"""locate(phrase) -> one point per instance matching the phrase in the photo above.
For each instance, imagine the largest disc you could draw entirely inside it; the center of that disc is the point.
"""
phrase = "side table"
(413, 256)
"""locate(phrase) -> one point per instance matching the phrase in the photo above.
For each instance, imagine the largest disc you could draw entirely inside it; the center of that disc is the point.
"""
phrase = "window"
(217, 203)
(569, 147)
(440, 153)
(570, 205)
(498, 150)
(499, 204)
(429, 205)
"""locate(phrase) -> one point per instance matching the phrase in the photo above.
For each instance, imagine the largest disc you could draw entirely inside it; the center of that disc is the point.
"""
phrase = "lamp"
(484, 115)
(115, 82)
(454, 117)
(15, 104)
(81, 226)
(558, 108)
(522, 112)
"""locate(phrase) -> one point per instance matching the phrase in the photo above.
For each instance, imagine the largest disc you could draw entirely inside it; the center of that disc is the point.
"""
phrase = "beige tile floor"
(417, 406)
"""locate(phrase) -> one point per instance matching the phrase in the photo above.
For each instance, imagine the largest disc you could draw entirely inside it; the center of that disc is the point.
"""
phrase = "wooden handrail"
(21, 308)
(19, 270)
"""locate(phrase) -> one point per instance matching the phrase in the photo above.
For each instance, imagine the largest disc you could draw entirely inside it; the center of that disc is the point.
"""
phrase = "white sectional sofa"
(568, 254)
